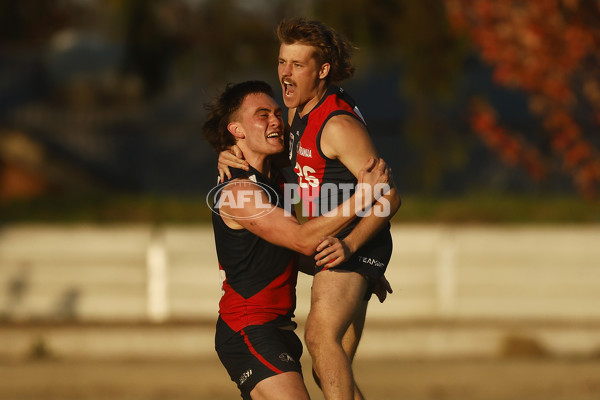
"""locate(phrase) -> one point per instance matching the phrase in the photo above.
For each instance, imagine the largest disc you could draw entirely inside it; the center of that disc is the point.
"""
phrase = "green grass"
(192, 210)
(499, 209)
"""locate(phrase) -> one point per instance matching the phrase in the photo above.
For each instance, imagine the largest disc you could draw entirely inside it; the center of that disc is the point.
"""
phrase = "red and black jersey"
(324, 183)
(259, 285)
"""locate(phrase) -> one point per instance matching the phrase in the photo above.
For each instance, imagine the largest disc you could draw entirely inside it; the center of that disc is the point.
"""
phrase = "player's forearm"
(310, 233)
(371, 224)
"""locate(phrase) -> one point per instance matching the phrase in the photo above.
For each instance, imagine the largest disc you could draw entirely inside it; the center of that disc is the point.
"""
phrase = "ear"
(324, 71)
(236, 130)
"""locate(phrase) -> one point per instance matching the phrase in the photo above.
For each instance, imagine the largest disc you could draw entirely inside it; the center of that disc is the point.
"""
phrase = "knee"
(317, 339)
(311, 338)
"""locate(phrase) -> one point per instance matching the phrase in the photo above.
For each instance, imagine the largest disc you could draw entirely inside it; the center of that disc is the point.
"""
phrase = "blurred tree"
(152, 40)
(551, 50)
(238, 40)
(413, 38)
(31, 22)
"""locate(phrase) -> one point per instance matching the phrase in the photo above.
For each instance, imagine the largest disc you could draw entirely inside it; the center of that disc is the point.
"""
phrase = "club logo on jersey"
(291, 145)
(242, 194)
(285, 357)
(247, 374)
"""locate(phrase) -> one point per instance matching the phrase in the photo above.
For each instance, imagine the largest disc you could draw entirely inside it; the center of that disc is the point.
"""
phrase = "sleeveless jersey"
(324, 183)
(259, 285)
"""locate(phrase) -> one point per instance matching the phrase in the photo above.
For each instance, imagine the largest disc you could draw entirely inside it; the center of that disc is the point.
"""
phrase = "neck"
(312, 103)
(260, 162)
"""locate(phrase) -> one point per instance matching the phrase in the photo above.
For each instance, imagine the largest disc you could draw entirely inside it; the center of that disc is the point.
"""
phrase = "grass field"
(205, 379)
(470, 208)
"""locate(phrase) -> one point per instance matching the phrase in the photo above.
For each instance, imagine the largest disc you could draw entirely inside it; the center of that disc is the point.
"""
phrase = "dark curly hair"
(331, 47)
(223, 111)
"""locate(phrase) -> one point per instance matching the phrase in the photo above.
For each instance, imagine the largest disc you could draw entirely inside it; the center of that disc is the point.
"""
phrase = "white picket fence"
(438, 272)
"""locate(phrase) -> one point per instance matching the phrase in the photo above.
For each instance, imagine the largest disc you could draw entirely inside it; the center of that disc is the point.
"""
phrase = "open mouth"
(274, 135)
(288, 87)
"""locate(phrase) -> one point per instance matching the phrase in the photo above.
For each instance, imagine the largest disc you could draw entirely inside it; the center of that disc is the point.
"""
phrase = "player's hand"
(332, 251)
(374, 172)
(382, 288)
(231, 158)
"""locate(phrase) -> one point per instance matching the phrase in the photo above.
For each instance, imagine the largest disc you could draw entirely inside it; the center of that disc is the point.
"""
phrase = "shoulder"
(242, 184)
(343, 121)
(242, 199)
(344, 135)
(237, 194)
(343, 126)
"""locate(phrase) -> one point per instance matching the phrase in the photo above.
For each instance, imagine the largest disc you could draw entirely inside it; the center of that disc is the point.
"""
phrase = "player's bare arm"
(346, 139)
(234, 158)
(281, 228)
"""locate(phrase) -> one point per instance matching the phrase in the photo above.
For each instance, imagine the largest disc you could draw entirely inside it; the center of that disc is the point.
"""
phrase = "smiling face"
(302, 78)
(258, 127)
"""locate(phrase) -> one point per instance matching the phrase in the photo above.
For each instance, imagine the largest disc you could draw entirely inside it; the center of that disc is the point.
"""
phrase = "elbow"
(301, 239)
(307, 249)
(305, 244)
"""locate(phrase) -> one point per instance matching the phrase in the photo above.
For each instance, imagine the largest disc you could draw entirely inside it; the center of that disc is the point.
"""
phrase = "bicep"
(347, 139)
(252, 210)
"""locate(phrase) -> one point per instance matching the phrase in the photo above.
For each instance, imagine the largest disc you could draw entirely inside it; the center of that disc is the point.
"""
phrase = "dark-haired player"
(256, 240)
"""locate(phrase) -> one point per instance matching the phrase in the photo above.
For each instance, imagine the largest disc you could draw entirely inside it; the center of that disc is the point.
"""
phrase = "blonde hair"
(330, 46)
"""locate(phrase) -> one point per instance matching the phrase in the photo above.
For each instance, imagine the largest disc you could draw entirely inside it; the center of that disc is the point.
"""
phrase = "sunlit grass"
(111, 208)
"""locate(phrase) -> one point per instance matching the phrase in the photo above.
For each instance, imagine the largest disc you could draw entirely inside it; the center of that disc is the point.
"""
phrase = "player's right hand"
(373, 173)
(231, 158)
(332, 251)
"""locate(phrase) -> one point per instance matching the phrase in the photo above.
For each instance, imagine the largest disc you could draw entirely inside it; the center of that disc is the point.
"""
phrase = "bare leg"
(286, 386)
(352, 338)
(336, 298)
(350, 344)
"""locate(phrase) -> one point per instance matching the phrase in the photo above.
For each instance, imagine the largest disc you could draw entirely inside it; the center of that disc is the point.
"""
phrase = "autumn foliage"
(551, 50)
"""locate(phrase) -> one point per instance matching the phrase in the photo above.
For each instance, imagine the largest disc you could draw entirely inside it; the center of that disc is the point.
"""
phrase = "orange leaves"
(513, 150)
(551, 50)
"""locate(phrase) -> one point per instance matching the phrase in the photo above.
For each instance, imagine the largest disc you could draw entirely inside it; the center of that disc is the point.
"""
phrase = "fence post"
(157, 278)
(446, 275)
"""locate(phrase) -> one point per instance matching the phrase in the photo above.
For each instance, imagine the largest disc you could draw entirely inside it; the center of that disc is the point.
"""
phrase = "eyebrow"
(291, 60)
(261, 109)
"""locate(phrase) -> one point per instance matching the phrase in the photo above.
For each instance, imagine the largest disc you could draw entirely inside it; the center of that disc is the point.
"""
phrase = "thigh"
(259, 352)
(285, 386)
(335, 298)
(353, 334)
(370, 260)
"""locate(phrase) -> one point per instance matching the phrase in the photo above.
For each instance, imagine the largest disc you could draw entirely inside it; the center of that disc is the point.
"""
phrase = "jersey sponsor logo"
(247, 374)
(285, 357)
(242, 193)
(304, 152)
(371, 261)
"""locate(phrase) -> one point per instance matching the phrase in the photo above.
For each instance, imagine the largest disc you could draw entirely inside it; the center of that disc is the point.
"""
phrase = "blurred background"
(488, 112)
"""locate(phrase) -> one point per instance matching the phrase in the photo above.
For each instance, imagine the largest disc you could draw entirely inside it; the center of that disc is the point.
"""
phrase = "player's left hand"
(382, 288)
(332, 251)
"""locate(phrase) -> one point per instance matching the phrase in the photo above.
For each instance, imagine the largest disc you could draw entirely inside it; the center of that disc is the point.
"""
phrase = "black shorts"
(370, 261)
(258, 352)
